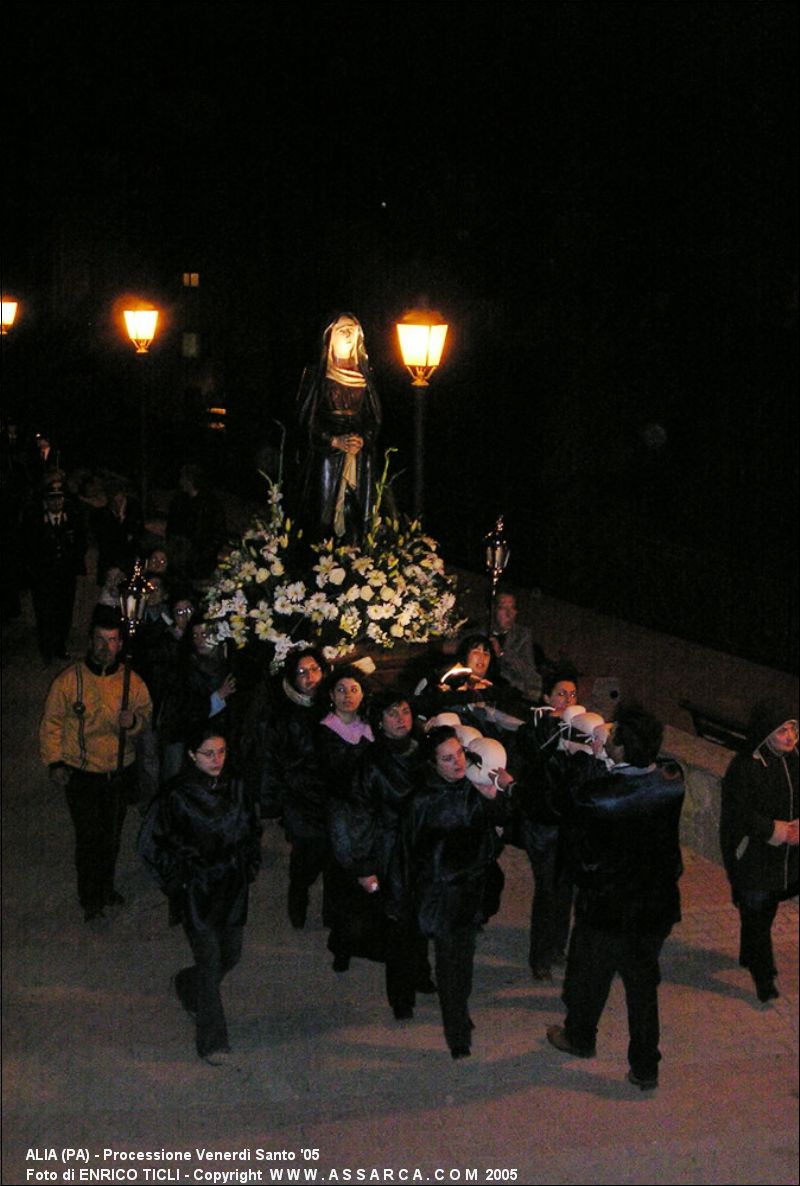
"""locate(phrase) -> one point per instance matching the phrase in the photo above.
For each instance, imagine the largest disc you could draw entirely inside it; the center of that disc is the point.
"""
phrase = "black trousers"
(455, 957)
(594, 959)
(215, 952)
(757, 910)
(53, 604)
(307, 859)
(551, 906)
(407, 963)
(97, 804)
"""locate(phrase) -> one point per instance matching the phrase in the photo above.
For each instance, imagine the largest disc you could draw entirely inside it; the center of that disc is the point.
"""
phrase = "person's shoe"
(766, 991)
(403, 1014)
(341, 963)
(557, 1037)
(217, 1058)
(460, 1051)
(643, 1082)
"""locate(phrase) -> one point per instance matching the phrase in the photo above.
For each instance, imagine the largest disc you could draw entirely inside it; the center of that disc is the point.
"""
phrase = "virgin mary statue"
(339, 413)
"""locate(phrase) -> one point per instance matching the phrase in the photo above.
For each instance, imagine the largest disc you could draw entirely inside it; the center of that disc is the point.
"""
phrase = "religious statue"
(340, 413)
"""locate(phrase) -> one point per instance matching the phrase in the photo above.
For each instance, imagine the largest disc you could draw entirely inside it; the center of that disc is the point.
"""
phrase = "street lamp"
(141, 326)
(8, 311)
(421, 334)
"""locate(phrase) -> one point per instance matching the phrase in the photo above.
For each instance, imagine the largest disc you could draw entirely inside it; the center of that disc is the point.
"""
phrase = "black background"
(599, 197)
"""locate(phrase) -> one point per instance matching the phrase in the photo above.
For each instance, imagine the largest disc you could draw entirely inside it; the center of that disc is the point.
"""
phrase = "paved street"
(97, 1054)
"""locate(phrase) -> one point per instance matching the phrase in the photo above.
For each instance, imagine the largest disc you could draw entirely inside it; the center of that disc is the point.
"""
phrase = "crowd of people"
(401, 800)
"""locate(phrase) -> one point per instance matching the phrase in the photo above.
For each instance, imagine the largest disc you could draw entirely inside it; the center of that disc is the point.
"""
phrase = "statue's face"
(344, 340)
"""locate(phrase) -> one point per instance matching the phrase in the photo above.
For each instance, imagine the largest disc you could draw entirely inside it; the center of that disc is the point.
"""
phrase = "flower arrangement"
(272, 591)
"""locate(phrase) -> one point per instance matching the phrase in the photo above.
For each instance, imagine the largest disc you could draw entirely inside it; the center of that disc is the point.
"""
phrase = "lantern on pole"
(132, 602)
(141, 326)
(498, 554)
(421, 335)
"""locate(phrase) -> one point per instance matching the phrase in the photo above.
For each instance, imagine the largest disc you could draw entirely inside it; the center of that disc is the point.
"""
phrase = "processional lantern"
(498, 554)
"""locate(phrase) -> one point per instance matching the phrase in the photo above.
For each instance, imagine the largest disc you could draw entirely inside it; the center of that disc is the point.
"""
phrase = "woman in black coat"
(344, 735)
(365, 826)
(292, 786)
(195, 688)
(202, 842)
(450, 870)
(759, 834)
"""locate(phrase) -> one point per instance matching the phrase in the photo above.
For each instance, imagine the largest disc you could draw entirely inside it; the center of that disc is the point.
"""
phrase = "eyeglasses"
(211, 753)
(306, 671)
(563, 694)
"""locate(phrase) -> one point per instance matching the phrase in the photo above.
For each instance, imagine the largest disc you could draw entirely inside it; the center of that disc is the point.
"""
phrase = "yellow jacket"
(80, 724)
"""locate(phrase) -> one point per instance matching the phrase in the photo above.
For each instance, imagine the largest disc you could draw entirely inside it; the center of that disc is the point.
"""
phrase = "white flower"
(396, 630)
(350, 621)
(366, 593)
(296, 591)
(276, 568)
(377, 578)
(337, 576)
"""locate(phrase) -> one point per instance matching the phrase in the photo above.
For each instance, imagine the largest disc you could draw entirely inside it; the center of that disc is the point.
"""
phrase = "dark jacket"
(759, 788)
(365, 823)
(541, 770)
(119, 540)
(185, 689)
(201, 842)
(448, 866)
(624, 830)
(292, 784)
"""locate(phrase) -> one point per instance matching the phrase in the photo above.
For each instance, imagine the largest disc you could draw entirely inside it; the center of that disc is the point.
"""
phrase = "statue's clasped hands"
(348, 443)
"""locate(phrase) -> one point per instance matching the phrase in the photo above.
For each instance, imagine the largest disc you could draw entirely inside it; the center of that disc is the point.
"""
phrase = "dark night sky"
(601, 197)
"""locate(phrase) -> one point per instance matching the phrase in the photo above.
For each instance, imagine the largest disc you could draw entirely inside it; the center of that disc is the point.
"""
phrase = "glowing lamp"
(141, 327)
(8, 311)
(421, 335)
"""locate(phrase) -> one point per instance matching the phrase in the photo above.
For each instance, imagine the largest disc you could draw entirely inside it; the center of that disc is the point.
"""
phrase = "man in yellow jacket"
(79, 740)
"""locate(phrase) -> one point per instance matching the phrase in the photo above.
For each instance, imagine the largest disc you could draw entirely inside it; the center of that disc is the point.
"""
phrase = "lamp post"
(498, 554)
(141, 326)
(8, 313)
(421, 334)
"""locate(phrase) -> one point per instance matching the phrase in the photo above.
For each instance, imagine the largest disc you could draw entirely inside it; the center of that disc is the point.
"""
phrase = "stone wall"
(704, 765)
